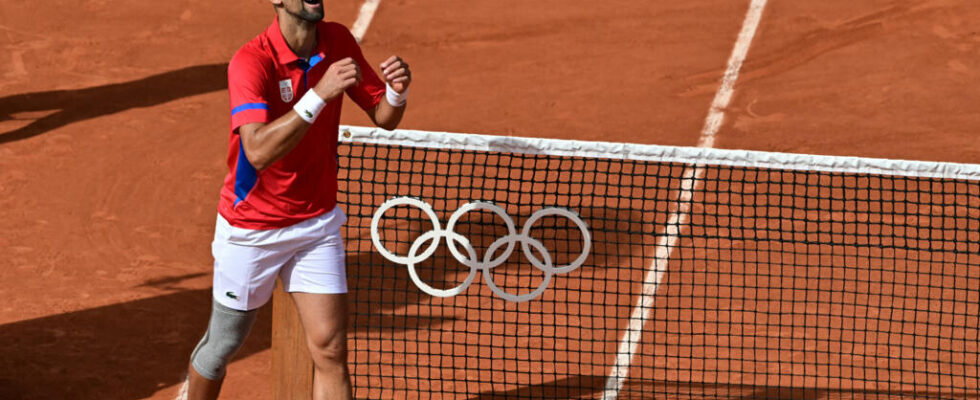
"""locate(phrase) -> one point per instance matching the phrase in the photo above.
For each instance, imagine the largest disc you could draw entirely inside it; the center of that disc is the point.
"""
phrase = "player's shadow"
(128, 350)
(69, 106)
(133, 349)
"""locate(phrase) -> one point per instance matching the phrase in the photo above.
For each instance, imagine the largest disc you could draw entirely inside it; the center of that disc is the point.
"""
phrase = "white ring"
(586, 238)
(465, 208)
(425, 286)
(407, 201)
(548, 272)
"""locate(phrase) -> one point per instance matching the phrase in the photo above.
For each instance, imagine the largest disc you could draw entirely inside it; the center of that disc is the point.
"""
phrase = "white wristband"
(394, 98)
(309, 106)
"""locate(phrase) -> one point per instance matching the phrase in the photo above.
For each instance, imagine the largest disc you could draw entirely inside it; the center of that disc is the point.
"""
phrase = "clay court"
(114, 119)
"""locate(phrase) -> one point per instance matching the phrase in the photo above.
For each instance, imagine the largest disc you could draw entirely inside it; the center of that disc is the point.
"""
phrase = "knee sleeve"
(226, 332)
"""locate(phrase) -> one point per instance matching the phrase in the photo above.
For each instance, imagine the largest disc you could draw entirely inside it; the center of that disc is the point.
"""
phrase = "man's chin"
(314, 15)
(312, 10)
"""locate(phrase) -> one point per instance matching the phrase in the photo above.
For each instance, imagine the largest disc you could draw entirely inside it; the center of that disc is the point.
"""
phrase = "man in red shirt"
(278, 216)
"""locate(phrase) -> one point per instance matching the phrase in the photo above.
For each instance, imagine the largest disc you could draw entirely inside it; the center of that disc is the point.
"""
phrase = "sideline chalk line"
(678, 220)
(364, 18)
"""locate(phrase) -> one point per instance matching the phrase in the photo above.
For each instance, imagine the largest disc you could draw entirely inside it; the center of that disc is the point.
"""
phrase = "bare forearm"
(387, 116)
(271, 142)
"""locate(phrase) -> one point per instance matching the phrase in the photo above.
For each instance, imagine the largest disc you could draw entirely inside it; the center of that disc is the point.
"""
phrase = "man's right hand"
(339, 76)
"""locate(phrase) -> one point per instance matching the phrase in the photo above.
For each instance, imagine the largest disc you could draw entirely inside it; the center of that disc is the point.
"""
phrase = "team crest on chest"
(286, 90)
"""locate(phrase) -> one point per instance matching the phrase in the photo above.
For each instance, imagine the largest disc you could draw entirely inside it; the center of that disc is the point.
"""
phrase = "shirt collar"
(284, 54)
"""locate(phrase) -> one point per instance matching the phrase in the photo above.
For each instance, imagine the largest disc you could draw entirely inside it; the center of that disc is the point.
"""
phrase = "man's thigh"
(324, 318)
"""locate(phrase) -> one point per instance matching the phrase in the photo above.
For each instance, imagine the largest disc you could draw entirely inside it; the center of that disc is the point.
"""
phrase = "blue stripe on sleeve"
(249, 106)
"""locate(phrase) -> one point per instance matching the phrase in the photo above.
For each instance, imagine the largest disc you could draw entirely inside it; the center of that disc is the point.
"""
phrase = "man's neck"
(300, 35)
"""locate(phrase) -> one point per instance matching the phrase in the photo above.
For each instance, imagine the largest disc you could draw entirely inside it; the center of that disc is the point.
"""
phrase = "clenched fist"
(339, 76)
(396, 74)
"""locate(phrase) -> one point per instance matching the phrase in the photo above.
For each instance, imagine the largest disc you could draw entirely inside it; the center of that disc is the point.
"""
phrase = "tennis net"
(502, 267)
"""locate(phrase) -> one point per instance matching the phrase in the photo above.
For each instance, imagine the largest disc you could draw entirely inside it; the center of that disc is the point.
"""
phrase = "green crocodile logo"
(232, 295)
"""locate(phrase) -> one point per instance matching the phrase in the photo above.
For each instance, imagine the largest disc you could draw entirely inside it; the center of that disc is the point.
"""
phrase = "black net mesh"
(776, 284)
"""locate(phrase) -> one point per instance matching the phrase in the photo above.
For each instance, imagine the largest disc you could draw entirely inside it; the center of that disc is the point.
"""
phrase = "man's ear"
(276, 3)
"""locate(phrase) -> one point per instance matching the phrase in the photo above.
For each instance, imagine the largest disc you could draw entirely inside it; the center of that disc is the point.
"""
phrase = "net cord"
(658, 153)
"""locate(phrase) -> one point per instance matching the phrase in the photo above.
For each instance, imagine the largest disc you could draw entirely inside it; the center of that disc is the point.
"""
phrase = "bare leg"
(201, 388)
(324, 318)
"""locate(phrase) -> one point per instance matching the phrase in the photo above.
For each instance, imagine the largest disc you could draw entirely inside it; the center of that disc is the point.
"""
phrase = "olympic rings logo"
(454, 240)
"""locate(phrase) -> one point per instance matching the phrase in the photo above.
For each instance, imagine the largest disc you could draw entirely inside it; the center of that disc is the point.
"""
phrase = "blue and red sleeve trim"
(249, 113)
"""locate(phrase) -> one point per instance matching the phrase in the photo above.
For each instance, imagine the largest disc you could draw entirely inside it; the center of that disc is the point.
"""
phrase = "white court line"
(678, 220)
(364, 18)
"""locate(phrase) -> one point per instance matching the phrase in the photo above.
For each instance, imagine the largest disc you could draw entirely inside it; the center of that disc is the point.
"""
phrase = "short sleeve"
(369, 92)
(248, 80)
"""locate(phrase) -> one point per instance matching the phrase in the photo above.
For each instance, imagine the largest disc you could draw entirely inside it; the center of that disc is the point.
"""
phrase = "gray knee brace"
(226, 333)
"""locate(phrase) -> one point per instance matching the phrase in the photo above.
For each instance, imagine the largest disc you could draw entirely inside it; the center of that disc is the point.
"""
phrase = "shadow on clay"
(128, 350)
(82, 104)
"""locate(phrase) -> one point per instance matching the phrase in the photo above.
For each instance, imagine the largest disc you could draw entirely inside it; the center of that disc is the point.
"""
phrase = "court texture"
(114, 118)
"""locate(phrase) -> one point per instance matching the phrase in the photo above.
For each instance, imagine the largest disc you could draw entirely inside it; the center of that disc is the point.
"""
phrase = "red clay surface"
(113, 122)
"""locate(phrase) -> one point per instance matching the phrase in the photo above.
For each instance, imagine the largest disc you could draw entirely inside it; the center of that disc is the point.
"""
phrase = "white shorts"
(308, 256)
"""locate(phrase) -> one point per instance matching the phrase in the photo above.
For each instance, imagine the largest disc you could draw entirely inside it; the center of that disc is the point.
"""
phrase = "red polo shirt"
(265, 80)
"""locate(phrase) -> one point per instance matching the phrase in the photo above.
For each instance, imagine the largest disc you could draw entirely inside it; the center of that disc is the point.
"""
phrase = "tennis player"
(278, 214)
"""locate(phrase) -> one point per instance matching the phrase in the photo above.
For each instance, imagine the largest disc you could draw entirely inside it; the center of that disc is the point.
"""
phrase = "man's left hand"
(396, 74)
